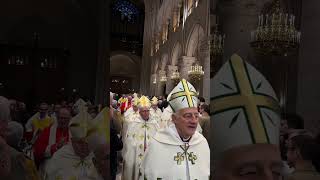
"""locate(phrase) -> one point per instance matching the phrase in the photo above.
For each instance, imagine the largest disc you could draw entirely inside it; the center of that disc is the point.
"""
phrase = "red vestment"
(47, 143)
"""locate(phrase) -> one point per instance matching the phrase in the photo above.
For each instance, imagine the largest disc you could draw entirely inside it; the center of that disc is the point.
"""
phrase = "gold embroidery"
(179, 158)
(192, 157)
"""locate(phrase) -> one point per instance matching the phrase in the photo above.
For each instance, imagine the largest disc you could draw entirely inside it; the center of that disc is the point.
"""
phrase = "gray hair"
(15, 134)
(4, 109)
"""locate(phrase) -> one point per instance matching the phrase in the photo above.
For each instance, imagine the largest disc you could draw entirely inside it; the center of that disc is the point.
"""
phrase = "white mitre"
(79, 125)
(184, 95)
(99, 129)
(80, 104)
(244, 107)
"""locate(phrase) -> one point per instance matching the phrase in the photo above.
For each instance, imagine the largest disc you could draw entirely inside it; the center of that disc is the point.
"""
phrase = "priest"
(139, 133)
(52, 139)
(246, 123)
(38, 122)
(179, 151)
(74, 160)
(99, 143)
(130, 115)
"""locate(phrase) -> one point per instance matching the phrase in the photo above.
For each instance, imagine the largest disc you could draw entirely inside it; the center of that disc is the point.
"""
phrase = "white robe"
(139, 133)
(65, 165)
(166, 117)
(127, 121)
(165, 158)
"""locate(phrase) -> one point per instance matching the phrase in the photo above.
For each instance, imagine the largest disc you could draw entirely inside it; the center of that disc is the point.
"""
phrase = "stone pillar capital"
(188, 60)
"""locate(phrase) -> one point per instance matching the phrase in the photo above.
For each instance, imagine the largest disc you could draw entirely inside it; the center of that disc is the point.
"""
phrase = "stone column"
(186, 63)
(169, 83)
(160, 84)
(205, 57)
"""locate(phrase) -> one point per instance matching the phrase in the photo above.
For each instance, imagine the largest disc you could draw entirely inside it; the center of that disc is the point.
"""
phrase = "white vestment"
(157, 112)
(126, 122)
(166, 117)
(65, 165)
(138, 136)
(169, 158)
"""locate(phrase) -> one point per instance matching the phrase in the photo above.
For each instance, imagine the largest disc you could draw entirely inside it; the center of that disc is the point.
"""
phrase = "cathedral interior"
(145, 46)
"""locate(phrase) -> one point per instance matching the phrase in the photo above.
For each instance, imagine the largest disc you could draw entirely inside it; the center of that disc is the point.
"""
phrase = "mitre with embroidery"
(184, 95)
(154, 100)
(135, 101)
(99, 129)
(144, 102)
(79, 125)
(244, 107)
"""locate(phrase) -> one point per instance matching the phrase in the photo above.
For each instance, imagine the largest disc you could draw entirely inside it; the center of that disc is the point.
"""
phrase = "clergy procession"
(242, 134)
(162, 137)
(67, 141)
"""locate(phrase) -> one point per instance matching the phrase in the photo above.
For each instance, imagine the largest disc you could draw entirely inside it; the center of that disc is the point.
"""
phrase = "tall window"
(127, 10)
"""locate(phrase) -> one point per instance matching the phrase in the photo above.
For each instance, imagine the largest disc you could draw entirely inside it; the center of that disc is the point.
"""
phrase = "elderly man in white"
(140, 132)
(179, 151)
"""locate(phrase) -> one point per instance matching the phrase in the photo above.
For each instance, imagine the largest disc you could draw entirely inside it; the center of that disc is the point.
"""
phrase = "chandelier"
(217, 43)
(175, 77)
(163, 78)
(154, 80)
(195, 72)
(276, 32)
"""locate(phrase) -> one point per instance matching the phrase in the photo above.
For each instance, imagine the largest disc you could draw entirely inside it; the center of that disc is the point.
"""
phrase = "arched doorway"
(124, 73)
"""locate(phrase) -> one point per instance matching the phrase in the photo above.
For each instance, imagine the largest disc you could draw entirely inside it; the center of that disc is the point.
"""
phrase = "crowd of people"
(154, 133)
(240, 135)
(60, 141)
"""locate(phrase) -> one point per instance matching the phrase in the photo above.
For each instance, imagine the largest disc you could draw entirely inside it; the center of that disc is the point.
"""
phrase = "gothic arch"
(194, 38)
(176, 53)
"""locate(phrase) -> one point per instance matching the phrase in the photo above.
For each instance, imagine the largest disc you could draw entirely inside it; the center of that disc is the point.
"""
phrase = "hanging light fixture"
(276, 32)
(217, 43)
(163, 78)
(175, 77)
(196, 72)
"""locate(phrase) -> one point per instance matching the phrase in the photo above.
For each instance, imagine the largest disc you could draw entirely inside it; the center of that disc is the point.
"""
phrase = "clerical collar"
(185, 139)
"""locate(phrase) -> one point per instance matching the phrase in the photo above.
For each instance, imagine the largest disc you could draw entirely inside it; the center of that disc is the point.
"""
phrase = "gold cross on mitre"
(185, 91)
(179, 158)
(247, 99)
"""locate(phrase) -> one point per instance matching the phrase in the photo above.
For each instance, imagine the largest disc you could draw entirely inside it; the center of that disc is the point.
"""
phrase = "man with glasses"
(179, 151)
(138, 135)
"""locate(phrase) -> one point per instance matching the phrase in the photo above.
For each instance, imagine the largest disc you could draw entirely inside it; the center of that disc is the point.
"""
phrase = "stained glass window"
(127, 9)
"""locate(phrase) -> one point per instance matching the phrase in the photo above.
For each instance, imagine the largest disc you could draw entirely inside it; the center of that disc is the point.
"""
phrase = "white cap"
(184, 95)
(244, 107)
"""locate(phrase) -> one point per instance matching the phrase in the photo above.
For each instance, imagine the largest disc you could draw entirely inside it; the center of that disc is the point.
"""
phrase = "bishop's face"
(144, 113)
(186, 121)
(80, 147)
(250, 162)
